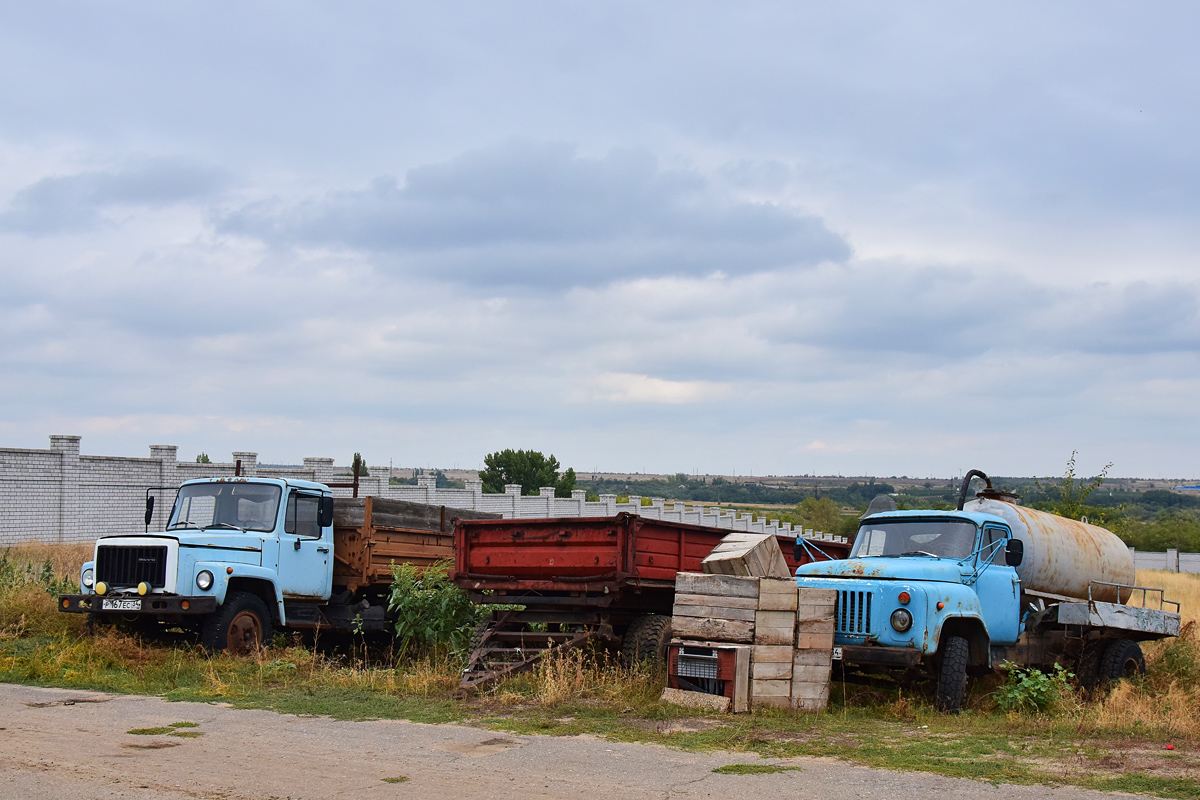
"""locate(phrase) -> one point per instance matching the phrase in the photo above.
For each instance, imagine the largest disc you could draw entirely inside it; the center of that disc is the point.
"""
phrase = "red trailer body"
(591, 559)
(580, 580)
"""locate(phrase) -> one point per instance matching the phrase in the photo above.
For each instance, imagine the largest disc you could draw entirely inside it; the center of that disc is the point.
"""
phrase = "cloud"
(532, 212)
(75, 202)
(611, 387)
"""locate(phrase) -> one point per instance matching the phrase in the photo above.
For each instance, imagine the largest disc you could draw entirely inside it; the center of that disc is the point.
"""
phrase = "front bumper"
(874, 655)
(121, 604)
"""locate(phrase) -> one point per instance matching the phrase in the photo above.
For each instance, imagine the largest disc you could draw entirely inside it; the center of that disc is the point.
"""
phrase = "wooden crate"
(748, 554)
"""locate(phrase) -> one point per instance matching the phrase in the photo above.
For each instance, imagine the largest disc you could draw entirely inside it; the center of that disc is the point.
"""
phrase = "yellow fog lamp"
(101, 587)
(143, 588)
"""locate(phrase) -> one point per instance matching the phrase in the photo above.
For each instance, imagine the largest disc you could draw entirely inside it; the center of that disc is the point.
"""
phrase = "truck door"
(998, 587)
(305, 551)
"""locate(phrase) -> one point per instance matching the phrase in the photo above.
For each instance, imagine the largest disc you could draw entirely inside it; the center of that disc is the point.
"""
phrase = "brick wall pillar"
(67, 448)
(249, 462)
(167, 456)
(321, 468)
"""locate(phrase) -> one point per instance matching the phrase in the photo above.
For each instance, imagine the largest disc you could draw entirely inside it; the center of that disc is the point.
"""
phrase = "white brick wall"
(58, 495)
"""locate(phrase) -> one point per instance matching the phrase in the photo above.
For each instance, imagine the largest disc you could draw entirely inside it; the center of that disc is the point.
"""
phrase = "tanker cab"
(996, 582)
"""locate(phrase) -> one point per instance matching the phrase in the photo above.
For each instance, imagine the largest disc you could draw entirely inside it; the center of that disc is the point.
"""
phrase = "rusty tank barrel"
(1063, 556)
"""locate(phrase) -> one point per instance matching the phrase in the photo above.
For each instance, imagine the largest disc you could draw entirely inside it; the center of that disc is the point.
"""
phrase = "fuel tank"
(1063, 556)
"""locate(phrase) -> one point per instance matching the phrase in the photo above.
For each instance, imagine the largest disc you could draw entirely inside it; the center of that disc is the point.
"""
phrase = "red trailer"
(583, 579)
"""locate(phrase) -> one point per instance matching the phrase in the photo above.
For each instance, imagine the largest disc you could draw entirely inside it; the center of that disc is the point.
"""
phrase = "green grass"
(150, 731)
(185, 724)
(753, 769)
(397, 779)
(187, 734)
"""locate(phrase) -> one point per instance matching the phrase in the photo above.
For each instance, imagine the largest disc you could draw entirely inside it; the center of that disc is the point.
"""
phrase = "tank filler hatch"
(988, 492)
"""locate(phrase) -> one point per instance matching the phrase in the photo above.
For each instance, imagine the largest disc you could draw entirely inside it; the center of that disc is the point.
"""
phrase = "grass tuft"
(754, 769)
(150, 731)
(397, 779)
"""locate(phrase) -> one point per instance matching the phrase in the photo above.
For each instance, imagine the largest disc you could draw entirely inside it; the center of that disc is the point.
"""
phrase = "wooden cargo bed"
(370, 533)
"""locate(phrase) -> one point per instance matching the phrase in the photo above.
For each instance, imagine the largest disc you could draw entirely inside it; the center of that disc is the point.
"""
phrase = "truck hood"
(903, 568)
(223, 540)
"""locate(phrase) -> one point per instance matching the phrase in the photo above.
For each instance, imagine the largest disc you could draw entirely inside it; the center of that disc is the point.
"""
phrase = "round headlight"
(204, 580)
(89, 577)
(901, 620)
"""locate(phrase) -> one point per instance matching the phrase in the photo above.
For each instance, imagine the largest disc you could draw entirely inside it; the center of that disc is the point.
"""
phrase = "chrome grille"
(129, 566)
(853, 613)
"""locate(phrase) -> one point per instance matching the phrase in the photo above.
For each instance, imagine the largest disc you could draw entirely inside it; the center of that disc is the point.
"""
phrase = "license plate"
(837, 654)
(121, 605)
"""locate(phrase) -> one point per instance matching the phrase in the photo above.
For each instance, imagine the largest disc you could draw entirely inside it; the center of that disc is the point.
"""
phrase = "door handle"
(322, 549)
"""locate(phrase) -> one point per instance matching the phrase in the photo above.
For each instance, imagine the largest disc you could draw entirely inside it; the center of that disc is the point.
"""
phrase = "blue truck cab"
(238, 557)
(928, 591)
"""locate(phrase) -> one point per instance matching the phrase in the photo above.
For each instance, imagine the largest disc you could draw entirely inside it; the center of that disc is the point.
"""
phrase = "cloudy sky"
(860, 238)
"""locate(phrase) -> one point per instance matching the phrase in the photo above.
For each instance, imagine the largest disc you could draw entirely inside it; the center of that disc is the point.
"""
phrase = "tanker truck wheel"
(1122, 659)
(952, 674)
(647, 640)
(241, 625)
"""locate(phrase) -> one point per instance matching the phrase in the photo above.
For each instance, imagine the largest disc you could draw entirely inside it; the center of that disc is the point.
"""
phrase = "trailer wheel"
(647, 640)
(1122, 659)
(952, 674)
(1087, 671)
(241, 625)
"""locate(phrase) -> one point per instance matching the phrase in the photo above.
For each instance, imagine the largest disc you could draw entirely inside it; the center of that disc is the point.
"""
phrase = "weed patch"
(754, 769)
(397, 779)
(151, 731)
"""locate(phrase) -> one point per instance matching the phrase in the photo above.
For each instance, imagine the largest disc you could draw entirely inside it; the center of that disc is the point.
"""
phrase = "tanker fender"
(960, 615)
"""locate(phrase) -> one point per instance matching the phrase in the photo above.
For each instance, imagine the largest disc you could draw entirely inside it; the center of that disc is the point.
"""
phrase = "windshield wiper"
(224, 525)
(922, 553)
(183, 523)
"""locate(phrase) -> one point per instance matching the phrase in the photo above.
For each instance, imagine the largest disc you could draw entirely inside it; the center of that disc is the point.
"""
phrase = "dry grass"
(1182, 587)
(30, 577)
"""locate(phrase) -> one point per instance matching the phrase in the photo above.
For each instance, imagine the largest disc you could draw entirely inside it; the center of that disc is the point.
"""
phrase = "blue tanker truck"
(943, 595)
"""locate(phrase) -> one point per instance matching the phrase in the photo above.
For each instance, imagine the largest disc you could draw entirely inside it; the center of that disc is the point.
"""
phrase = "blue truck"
(943, 595)
(241, 557)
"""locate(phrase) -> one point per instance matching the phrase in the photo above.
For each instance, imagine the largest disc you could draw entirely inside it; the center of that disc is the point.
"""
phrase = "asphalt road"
(71, 745)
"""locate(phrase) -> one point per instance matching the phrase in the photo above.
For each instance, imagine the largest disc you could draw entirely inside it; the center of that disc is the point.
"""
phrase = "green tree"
(203, 459)
(362, 466)
(530, 468)
(820, 514)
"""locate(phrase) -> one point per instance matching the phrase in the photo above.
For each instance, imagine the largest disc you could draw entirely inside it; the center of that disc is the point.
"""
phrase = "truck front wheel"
(952, 674)
(241, 625)
(1122, 659)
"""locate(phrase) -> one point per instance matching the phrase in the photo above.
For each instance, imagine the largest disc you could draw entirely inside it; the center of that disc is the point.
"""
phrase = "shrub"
(1033, 690)
(432, 614)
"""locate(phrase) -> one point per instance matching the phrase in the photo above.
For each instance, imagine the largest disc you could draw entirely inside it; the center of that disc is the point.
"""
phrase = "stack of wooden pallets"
(745, 600)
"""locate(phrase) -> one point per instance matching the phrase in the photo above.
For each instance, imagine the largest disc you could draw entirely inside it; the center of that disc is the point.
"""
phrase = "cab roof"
(975, 517)
(284, 482)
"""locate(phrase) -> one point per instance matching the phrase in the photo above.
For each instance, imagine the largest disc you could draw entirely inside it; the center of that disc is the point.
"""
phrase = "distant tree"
(203, 459)
(530, 468)
(362, 466)
(820, 514)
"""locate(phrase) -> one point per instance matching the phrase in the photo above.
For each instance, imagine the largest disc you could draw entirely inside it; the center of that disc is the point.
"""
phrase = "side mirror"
(1014, 553)
(326, 518)
(149, 509)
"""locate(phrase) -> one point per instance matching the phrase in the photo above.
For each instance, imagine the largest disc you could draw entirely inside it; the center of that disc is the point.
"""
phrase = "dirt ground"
(71, 745)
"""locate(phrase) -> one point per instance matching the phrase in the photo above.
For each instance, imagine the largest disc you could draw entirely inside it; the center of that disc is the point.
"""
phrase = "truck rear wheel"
(952, 674)
(241, 625)
(647, 640)
(1122, 659)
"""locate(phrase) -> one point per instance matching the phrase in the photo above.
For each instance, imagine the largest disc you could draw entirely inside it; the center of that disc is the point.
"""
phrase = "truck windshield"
(941, 538)
(247, 506)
